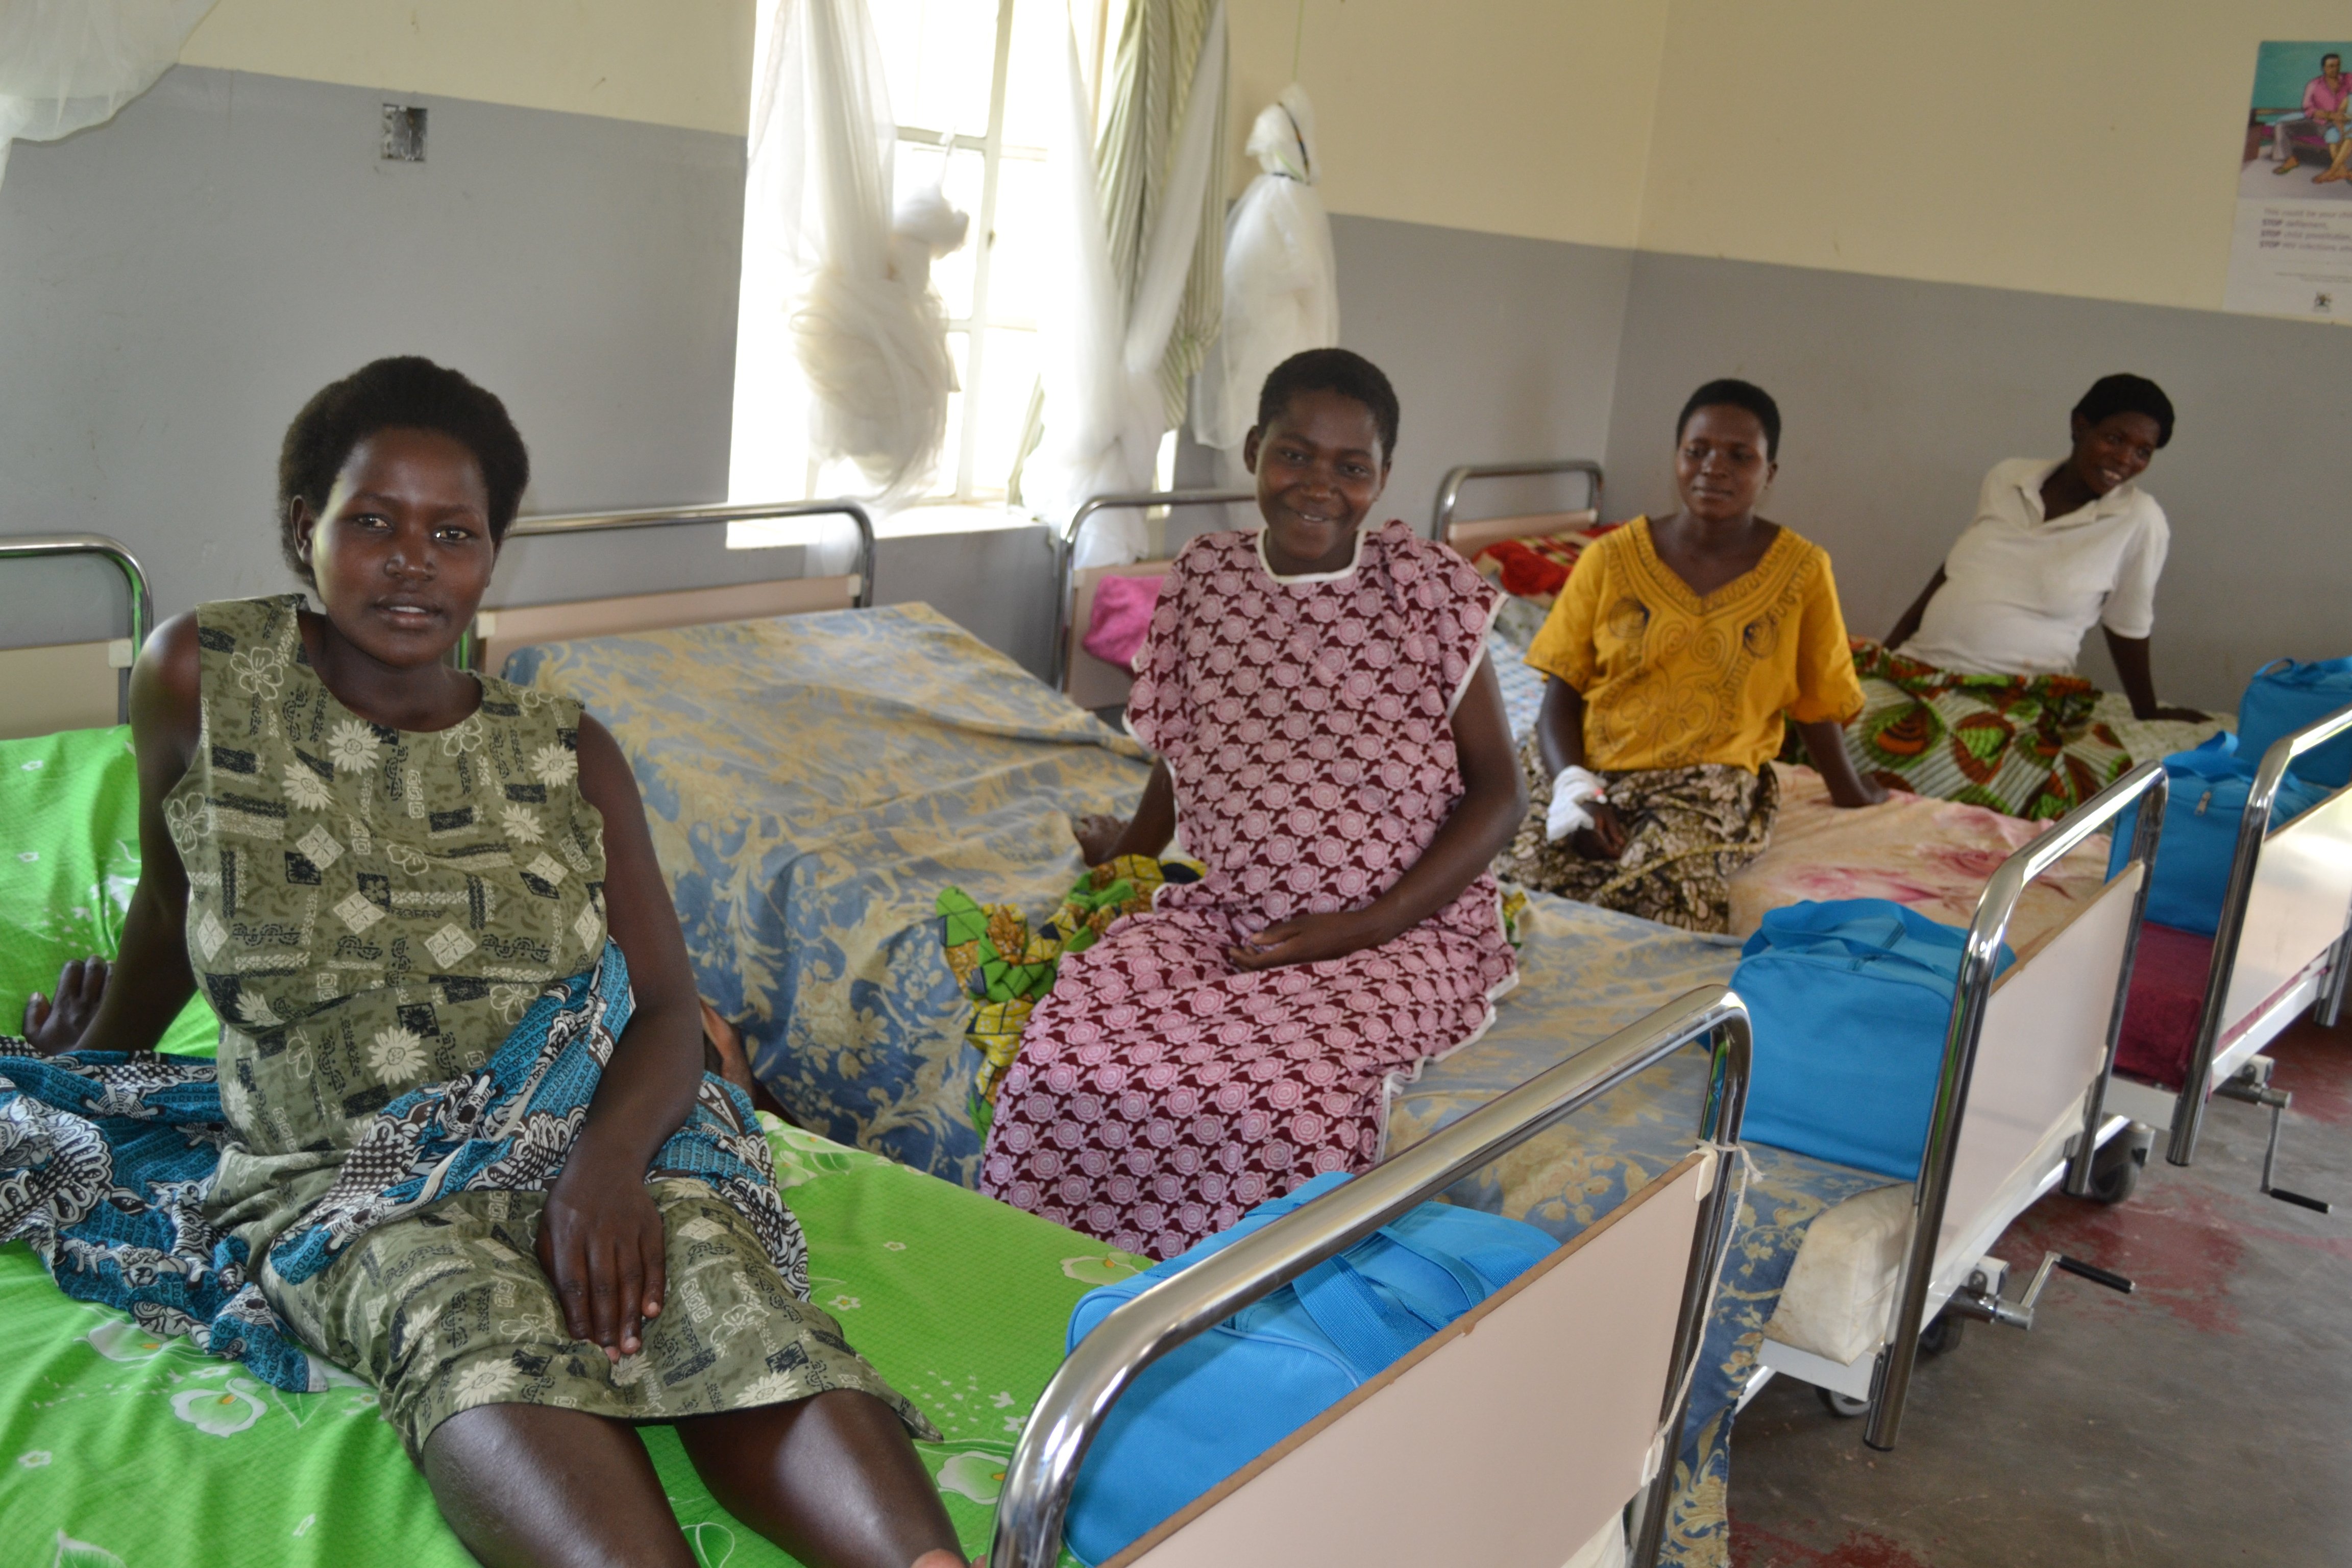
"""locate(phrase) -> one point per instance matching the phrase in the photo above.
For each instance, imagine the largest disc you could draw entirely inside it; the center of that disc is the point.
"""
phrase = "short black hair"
(1333, 370)
(405, 392)
(2331, 55)
(2113, 395)
(1729, 393)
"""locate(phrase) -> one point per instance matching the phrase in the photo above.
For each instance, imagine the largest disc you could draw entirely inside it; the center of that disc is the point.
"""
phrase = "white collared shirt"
(2021, 590)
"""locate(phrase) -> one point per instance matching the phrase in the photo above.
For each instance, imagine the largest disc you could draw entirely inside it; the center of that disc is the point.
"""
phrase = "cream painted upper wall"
(2087, 147)
(1525, 117)
(669, 62)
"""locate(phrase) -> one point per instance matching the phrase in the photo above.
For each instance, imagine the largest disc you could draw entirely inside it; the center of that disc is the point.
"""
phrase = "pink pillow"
(1121, 618)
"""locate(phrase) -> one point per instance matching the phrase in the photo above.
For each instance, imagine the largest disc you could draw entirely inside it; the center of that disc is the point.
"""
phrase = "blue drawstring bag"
(1849, 1001)
(2207, 800)
(2285, 696)
(1222, 1398)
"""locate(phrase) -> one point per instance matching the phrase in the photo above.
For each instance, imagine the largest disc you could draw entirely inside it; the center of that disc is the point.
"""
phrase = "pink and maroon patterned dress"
(1306, 720)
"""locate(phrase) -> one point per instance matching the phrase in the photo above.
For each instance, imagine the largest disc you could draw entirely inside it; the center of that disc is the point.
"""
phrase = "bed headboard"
(1471, 536)
(1087, 680)
(73, 686)
(498, 630)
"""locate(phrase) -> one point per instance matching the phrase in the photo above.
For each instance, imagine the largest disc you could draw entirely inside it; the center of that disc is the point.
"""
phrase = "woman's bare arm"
(600, 1237)
(1102, 838)
(2132, 668)
(1559, 737)
(1908, 626)
(1825, 743)
(1494, 799)
(149, 981)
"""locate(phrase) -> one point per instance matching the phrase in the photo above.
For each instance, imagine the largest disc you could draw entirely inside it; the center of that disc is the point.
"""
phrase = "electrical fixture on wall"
(403, 133)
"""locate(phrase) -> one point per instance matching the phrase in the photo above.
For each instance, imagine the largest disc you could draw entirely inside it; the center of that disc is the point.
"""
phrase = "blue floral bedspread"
(1586, 973)
(812, 783)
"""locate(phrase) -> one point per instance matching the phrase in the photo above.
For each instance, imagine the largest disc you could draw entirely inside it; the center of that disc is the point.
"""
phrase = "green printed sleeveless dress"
(370, 911)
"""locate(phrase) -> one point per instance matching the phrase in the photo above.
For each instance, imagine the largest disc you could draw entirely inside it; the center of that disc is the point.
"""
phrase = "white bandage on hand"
(1570, 792)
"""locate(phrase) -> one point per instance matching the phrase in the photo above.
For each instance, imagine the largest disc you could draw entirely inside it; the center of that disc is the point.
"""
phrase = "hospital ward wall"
(181, 279)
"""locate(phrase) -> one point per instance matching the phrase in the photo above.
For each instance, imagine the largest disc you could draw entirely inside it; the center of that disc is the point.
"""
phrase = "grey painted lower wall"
(1898, 396)
(174, 284)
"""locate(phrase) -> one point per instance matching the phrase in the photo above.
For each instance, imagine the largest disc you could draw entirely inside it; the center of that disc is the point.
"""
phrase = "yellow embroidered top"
(1671, 679)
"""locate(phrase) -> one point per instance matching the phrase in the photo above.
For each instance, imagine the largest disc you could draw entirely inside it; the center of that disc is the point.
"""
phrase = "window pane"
(1021, 272)
(938, 55)
(1011, 374)
(1035, 100)
(915, 165)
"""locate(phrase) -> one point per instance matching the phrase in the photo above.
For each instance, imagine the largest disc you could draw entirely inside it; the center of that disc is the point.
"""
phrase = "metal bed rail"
(862, 591)
(2253, 828)
(143, 605)
(1044, 1466)
(1449, 490)
(1065, 554)
(2145, 785)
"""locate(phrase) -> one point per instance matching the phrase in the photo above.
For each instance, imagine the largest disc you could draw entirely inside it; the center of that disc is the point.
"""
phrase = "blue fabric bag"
(2209, 790)
(1849, 1001)
(1218, 1401)
(2285, 696)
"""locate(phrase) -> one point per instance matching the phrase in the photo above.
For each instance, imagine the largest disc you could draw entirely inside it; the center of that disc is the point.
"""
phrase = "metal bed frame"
(1449, 490)
(143, 605)
(861, 583)
(1044, 1466)
(1066, 553)
(2235, 1070)
(1890, 1376)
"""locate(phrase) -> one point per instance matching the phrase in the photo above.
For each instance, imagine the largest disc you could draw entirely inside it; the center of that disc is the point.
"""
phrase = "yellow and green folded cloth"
(1005, 967)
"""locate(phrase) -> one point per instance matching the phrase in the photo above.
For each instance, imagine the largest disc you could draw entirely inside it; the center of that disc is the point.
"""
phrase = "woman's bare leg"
(530, 1486)
(833, 1481)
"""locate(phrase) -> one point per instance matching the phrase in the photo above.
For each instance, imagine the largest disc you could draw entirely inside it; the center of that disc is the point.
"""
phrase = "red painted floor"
(2201, 1420)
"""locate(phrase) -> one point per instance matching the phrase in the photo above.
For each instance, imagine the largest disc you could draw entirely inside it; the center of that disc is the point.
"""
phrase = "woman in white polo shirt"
(1974, 696)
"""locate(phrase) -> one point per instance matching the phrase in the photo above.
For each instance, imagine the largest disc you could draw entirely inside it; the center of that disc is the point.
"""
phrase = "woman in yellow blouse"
(1674, 653)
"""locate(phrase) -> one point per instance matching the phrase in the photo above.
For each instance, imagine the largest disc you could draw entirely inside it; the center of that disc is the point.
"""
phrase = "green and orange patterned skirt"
(2025, 746)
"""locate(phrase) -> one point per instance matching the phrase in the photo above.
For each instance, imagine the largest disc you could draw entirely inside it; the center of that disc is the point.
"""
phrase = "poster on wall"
(2290, 252)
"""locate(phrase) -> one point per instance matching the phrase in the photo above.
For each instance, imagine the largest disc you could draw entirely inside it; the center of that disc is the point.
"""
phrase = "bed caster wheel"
(1942, 1334)
(2114, 1169)
(1844, 1406)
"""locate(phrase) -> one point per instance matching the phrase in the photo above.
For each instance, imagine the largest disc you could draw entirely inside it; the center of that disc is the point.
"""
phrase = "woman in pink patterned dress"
(1332, 744)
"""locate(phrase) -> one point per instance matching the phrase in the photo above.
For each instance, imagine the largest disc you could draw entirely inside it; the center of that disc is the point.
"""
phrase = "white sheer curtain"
(1282, 283)
(67, 65)
(833, 275)
(1105, 406)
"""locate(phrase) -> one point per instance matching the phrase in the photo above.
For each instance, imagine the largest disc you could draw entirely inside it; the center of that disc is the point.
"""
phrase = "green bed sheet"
(117, 1448)
(69, 861)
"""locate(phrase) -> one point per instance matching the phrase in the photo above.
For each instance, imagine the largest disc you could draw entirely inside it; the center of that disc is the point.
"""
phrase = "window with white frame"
(976, 88)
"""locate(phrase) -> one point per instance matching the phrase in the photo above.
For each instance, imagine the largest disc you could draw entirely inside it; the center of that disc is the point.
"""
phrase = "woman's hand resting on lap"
(1098, 836)
(1310, 939)
(601, 1245)
(54, 1024)
(1606, 839)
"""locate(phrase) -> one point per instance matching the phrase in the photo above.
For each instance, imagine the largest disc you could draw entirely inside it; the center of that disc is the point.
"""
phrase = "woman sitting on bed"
(1672, 655)
(1974, 696)
(376, 865)
(1333, 745)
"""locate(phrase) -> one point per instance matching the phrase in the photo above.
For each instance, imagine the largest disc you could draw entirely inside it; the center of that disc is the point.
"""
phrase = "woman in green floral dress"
(375, 864)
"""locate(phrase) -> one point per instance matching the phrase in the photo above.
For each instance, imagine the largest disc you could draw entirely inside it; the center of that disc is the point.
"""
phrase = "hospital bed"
(64, 685)
(2280, 948)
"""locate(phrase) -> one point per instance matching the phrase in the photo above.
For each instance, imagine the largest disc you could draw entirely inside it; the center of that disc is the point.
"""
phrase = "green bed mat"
(69, 861)
(117, 1448)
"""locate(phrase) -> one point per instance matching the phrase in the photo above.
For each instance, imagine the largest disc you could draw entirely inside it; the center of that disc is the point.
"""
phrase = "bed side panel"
(2302, 894)
(1509, 1441)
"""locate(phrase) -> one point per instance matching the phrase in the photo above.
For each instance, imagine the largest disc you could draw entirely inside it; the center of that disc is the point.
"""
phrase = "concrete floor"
(2202, 1420)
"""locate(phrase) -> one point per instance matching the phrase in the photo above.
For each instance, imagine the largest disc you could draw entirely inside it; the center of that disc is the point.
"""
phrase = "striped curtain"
(1151, 82)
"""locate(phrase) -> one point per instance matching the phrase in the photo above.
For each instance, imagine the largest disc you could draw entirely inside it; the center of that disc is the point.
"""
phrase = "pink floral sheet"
(1933, 856)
